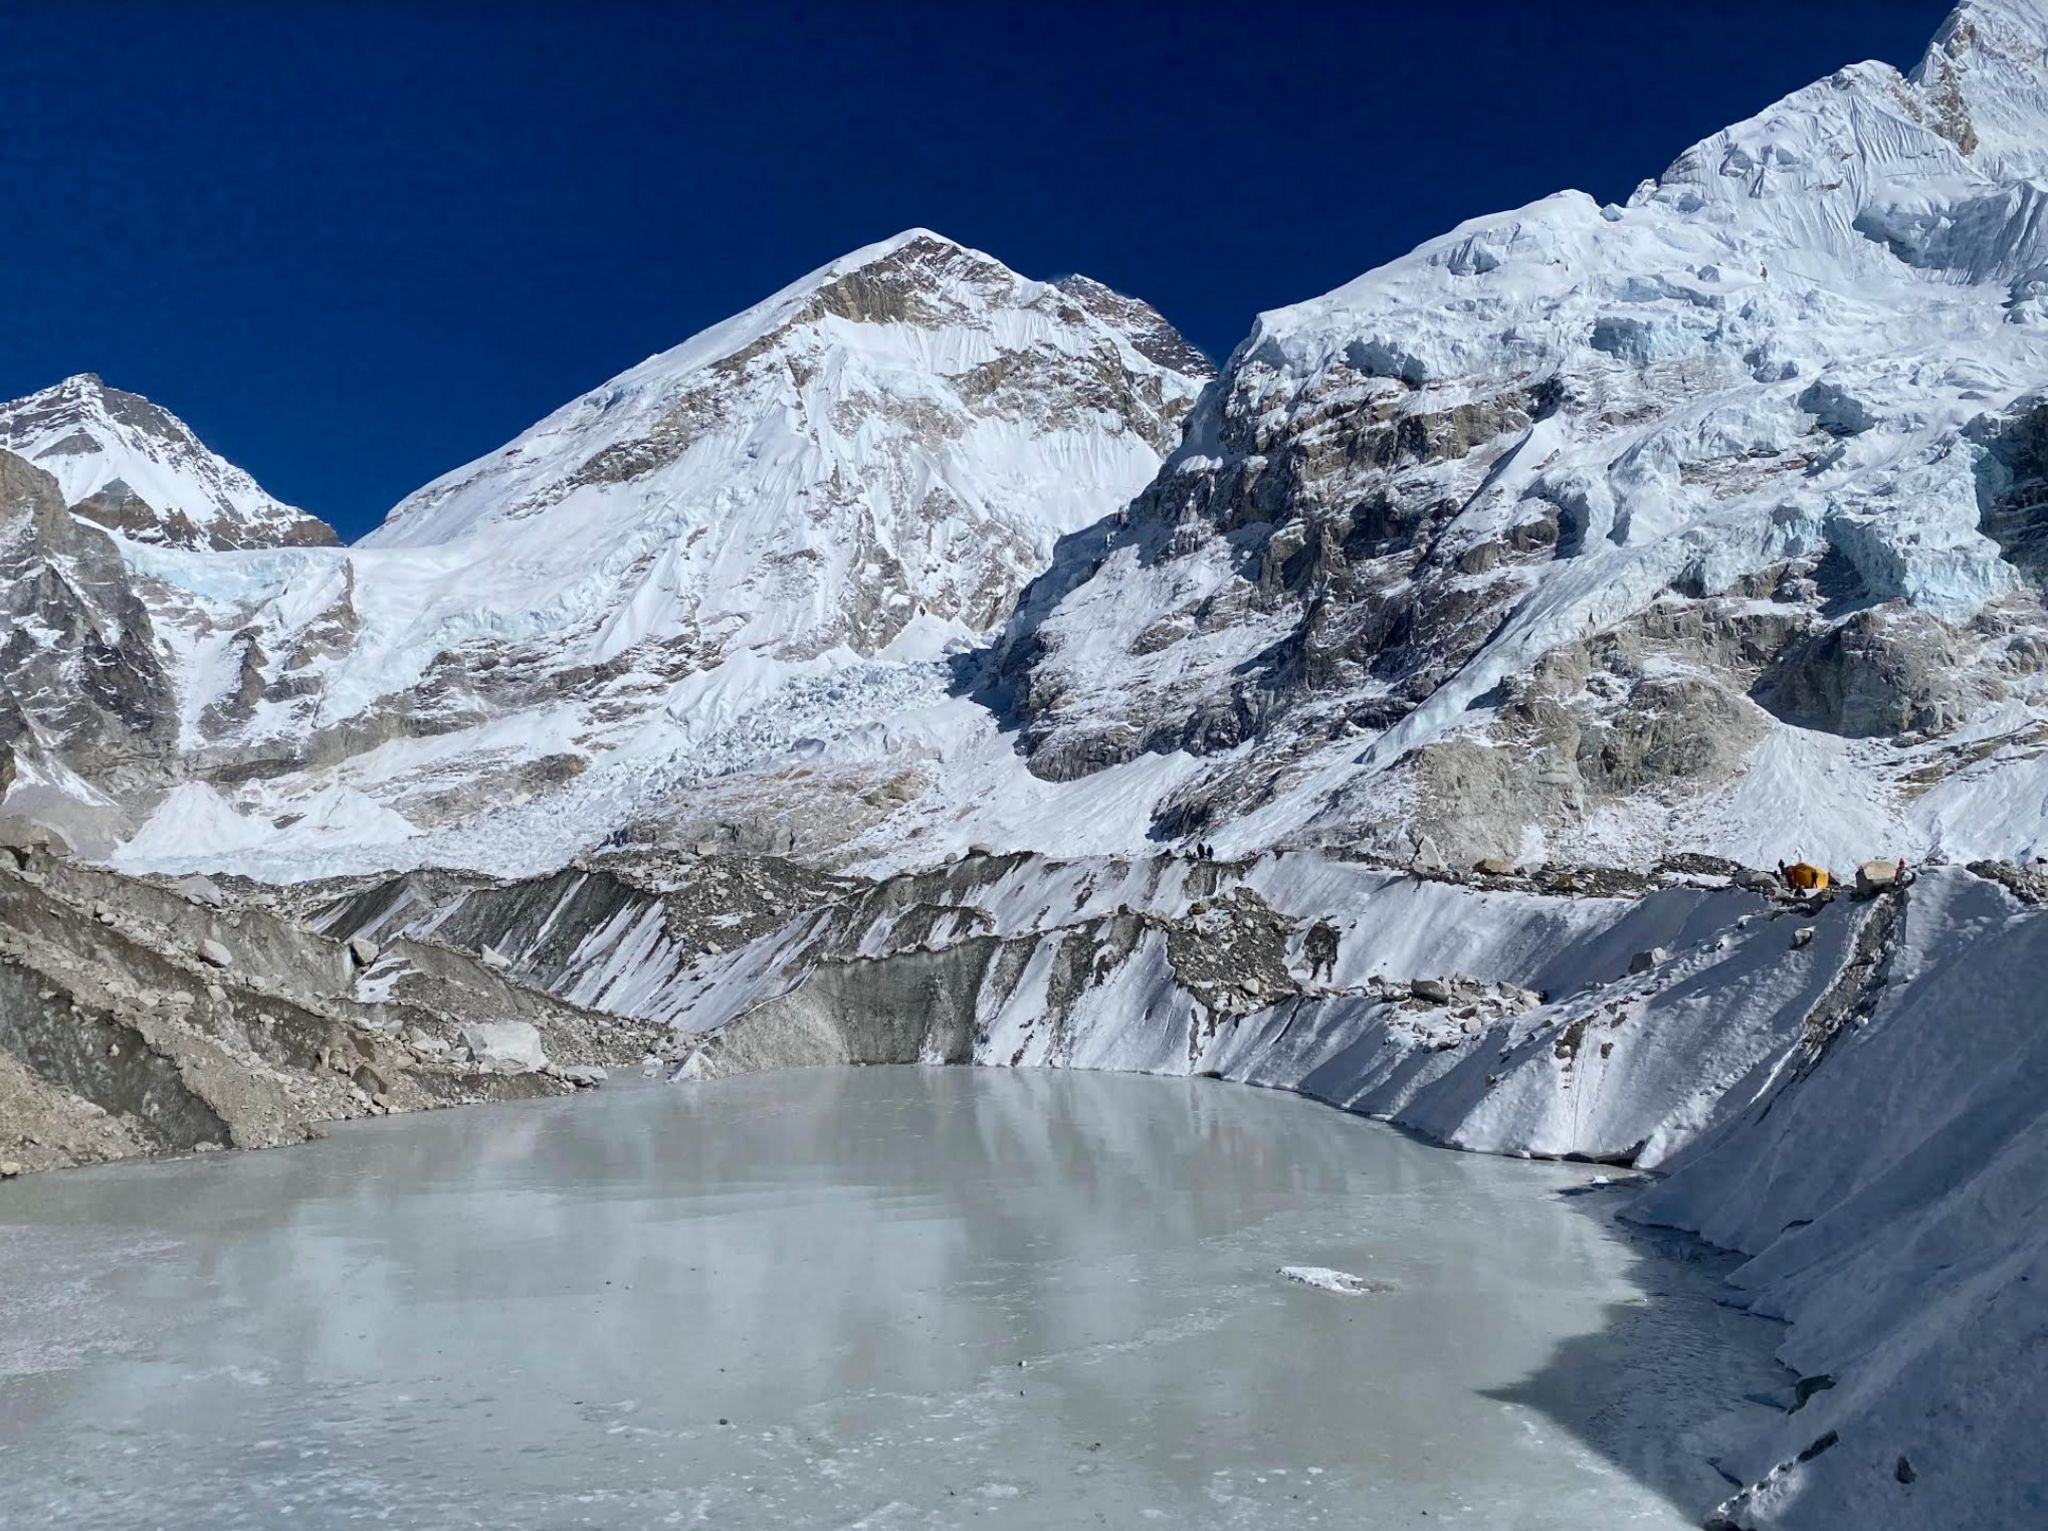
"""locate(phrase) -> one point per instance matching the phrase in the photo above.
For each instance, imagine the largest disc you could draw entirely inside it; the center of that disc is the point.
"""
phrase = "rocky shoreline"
(141, 1017)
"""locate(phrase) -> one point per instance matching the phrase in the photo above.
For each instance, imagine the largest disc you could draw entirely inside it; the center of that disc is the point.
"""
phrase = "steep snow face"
(859, 472)
(1538, 536)
(902, 434)
(136, 468)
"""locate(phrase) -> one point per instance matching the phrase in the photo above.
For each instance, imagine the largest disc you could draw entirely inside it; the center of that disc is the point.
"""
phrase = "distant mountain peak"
(134, 467)
(900, 434)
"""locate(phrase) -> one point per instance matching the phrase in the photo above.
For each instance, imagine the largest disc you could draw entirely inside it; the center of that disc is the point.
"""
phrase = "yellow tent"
(1805, 875)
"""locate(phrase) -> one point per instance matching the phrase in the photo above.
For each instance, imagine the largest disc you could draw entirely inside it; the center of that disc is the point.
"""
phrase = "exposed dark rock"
(78, 662)
(1885, 671)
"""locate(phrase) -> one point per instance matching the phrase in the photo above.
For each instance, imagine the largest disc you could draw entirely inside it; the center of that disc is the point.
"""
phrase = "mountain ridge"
(135, 468)
(1704, 522)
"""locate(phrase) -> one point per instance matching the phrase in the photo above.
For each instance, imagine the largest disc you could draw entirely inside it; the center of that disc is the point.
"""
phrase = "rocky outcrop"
(1884, 671)
(82, 686)
(137, 1018)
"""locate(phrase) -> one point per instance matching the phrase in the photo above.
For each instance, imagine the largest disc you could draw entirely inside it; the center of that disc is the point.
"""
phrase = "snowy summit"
(135, 467)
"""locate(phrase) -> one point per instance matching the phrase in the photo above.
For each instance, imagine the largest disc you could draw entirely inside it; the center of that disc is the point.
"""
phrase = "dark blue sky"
(356, 245)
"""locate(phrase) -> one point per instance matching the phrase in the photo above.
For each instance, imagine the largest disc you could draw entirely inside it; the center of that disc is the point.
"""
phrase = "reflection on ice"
(891, 1297)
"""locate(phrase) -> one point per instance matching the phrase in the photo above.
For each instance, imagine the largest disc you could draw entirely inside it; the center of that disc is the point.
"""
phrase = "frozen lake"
(853, 1298)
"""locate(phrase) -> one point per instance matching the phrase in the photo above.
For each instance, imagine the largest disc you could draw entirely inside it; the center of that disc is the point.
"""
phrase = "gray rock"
(493, 958)
(504, 1047)
(363, 951)
(201, 890)
(211, 951)
(1435, 990)
(1802, 936)
(1494, 866)
(1644, 962)
(1886, 670)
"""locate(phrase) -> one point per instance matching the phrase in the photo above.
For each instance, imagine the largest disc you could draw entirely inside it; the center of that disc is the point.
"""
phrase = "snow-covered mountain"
(1708, 520)
(137, 468)
(860, 472)
(1711, 521)
(898, 437)
(1584, 535)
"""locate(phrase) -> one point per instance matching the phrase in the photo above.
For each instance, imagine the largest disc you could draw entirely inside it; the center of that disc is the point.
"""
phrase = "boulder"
(493, 958)
(585, 1076)
(18, 833)
(1643, 962)
(362, 951)
(504, 1047)
(1494, 866)
(1802, 936)
(1876, 876)
(1435, 990)
(211, 951)
(201, 890)
(1427, 857)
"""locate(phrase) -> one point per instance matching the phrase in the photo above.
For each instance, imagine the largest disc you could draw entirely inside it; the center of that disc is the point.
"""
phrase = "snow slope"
(1585, 525)
(135, 467)
(863, 469)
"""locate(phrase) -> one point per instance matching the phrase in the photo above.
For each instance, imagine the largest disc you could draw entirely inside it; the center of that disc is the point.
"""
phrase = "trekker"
(1320, 947)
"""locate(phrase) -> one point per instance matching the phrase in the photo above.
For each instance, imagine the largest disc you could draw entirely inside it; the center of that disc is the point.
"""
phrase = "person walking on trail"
(1320, 948)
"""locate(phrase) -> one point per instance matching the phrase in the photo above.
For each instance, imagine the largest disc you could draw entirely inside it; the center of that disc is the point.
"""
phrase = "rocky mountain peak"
(134, 467)
(1982, 78)
(896, 438)
(918, 277)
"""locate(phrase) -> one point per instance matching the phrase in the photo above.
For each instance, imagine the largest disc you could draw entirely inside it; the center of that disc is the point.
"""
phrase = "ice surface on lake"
(880, 1297)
